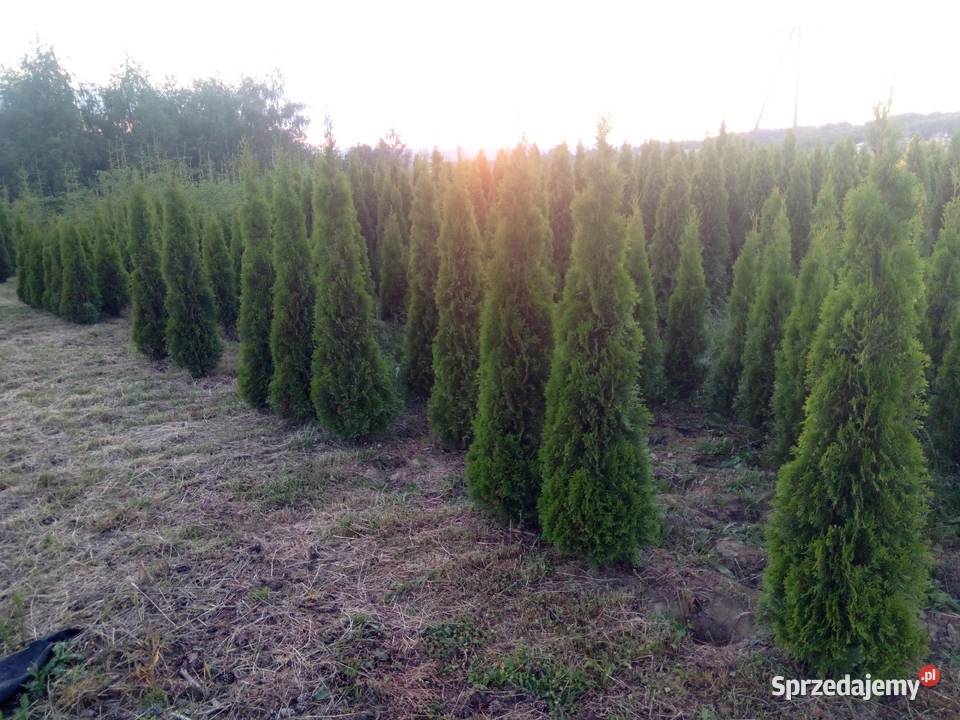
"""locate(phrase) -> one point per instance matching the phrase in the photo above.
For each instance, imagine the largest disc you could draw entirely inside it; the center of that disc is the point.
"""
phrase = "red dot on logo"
(929, 675)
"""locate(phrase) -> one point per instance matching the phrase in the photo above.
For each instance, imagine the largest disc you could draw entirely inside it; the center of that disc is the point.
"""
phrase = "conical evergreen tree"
(645, 312)
(393, 271)
(219, 267)
(453, 398)
(560, 192)
(710, 198)
(7, 253)
(147, 287)
(421, 325)
(597, 497)
(791, 384)
(52, 271)
(191, 332)
(33, 267)
(847, 568)
(672, 213)
(799, 209)
(843, 168)
(943, 284)
(112, 279)
(725, 373)
(23, 231)
(79, 298)
(352, 388)
(515, 346)
(685, 341)
(768, 313)
(652, 181)
(945, 404)
(291, 329)
(256, 294)
(579, 167)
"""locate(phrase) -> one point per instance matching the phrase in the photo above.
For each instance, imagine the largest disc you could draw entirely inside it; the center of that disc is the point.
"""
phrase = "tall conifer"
(709, 195)
(112, 279)
(147, 287)
(673, 211)
(219, 266)
(685, 340)
(79, 298)
(645, 311)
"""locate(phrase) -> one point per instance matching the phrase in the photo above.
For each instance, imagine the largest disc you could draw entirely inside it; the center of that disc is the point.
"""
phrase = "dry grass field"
(223, 564)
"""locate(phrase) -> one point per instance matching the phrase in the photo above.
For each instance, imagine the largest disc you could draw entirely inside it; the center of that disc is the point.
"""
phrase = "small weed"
(13, 627)
(258, 595)
(305, 485)
(451, 644)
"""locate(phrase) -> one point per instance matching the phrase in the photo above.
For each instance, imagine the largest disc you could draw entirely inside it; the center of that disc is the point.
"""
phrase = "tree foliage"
(147, 287)
(79, 297)
(219, 264)
(685, 340)
(645, 311)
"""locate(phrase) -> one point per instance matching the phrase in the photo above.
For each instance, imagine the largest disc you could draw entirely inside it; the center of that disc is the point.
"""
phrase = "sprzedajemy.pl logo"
(864, 688)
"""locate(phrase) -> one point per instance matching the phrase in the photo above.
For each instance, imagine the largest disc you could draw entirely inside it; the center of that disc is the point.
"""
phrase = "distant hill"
(926, 126)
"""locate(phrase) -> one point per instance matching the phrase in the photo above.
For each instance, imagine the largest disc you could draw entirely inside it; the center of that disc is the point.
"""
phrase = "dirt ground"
(224, 564)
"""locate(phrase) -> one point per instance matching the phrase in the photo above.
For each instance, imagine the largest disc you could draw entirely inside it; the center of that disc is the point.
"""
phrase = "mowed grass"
(225, 564)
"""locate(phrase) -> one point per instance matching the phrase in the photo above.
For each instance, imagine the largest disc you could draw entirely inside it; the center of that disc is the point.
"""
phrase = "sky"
(488, 74)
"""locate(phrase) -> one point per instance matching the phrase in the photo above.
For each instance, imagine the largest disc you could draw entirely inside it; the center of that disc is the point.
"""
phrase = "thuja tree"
(112, 279)
(256, 292)
(799, 202)
(32, 275)
(191, 333)
(945, 404)
(147, 287)
(515, 346)
(421, 325)
(52, 270)
(847, 568)
(710, 198)
(393, 270)
(22, 234)
(7, 252)
(645, 311)
(725, 373)
(79, 298)
(291, 328)
(943, 284)
(597, 497)
(353, 389)
(672, 213)
(790, 368)
(685, 340)
(456, 351)
(768, 312)
(560, 192)
(219, 266)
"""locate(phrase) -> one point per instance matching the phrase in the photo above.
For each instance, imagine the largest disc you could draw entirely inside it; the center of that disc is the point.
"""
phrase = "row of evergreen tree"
(543, 299)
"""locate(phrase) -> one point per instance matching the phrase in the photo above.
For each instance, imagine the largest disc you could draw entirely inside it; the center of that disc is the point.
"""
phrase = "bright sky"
(486, 73)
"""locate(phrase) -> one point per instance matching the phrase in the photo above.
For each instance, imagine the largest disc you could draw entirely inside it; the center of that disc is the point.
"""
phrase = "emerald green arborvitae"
(291, 329)
(791, 383)
(725, 373)
(112, 279)
(79, 298)
(515, 345)
(847, 571)
(256, 293)
(453, 398)
(799, 207)
(597, 497)
(22, 232)
(645, 311)
(560, 192)
(218, 263)
(393, 270)
(710, 198)
(943, 284)
(672, 214)
(685, 340)
(945, 404)
(52, 271)
(768, 313)
(33, 266)
(191, 335)
(353, 389)
(7, 253)
(843, 168)
(147, 288)
(421, 325)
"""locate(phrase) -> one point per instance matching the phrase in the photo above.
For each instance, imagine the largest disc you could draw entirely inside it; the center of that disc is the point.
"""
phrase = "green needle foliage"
(112, 279)
(711, 200)
(7, 252)
(799, 208)
(291, 329)
(791, 384)
(943, 284)
(453, 398)
(147, 287)
(353, 390)
(768, 313)
(672, 214)
(945, 404)
(685, 341)
(597, 497)
(645, 312)
(191, 335)
(421, 325)
(219, 266)
(847, 570)
(515, 345)
(256, 292)
(393, 270)
(52, 270)
(560, 192)
(725, 373)
(33, 264)
(79, 298)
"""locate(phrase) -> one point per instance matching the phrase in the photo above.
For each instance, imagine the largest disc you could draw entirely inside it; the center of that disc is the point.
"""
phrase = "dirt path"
(224, 564)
